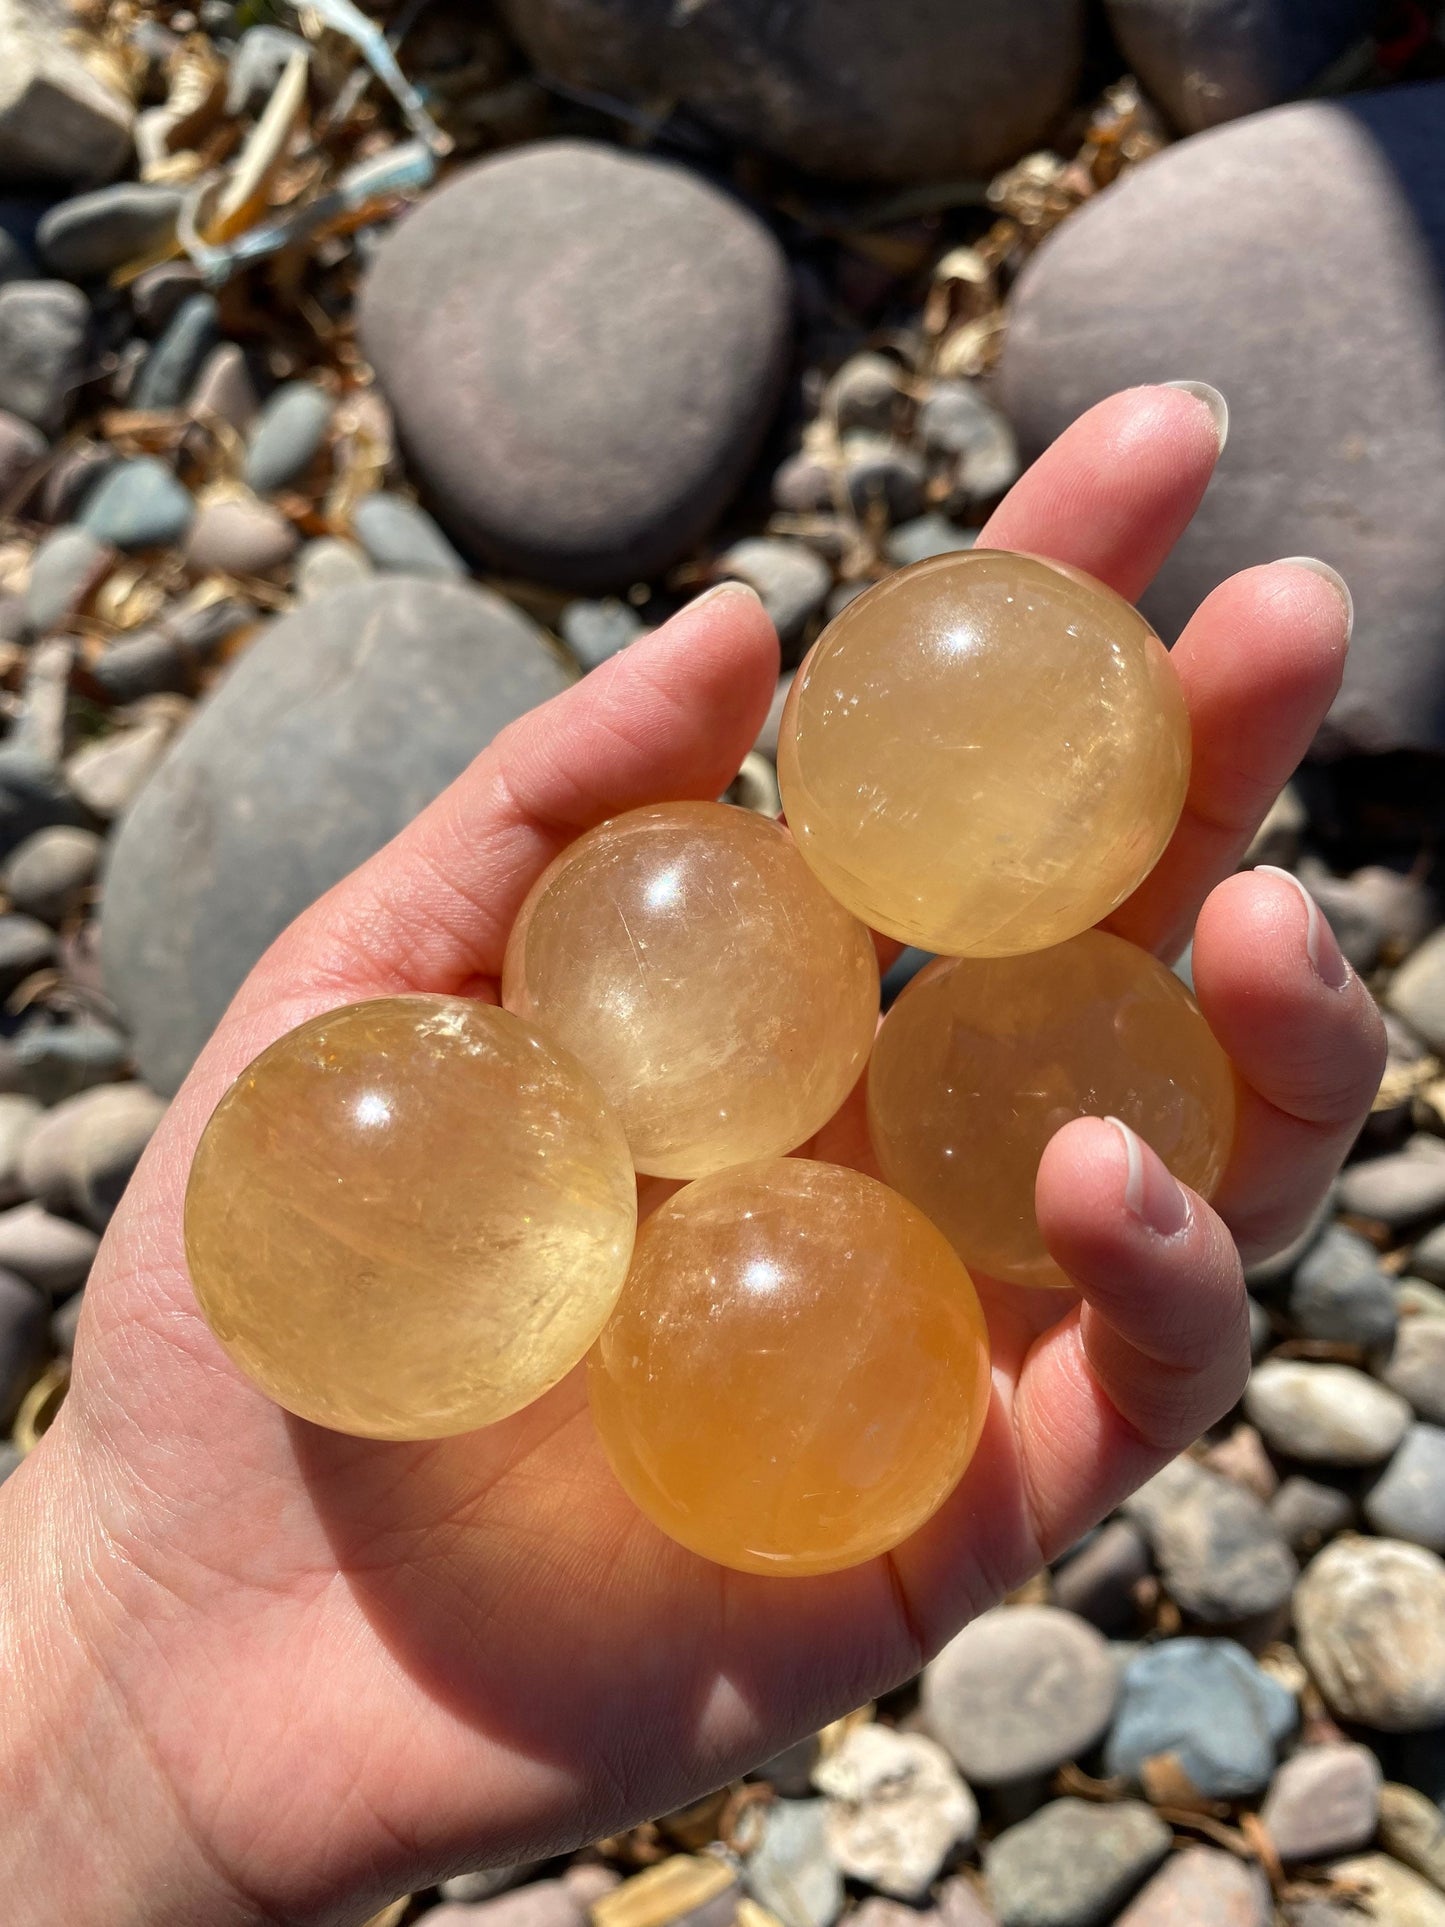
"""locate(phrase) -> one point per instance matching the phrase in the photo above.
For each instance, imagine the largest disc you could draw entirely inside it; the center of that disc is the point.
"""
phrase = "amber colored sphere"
(984, 753)
(691, 960)
(981, 1060)
(409, 1217)
(797, 1370)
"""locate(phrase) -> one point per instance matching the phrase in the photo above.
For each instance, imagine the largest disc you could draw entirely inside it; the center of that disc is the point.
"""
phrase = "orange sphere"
(984, 753)
(409, 1217)
(797, 1371)
(691, 960)
(980, 1061)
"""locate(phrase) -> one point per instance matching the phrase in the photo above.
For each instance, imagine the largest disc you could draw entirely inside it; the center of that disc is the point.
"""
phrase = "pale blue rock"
(1407, 1501)
(139, 504)
(792, 1871)
(1207, 1703)
(67, 567)
(286, 435)
(402, 539)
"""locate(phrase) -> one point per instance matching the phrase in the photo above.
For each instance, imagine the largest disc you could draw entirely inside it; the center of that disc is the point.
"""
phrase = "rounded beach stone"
(836, 86)
(1202, 1887)
(364, 1263)
(49, 874)
(1416, 1367)
(1324, 222)
(1392, 1893)
(337, 725)
(240, 536)
(1325, 1414)
(287, 435)
(1407, 1501)
(1370, 1618)
(86, 236)
(896, 1809)
(583, 349)
(44, 327)
(1073, 1863)
(1019, 1692)
(1323, 1801)
(1221, 1555)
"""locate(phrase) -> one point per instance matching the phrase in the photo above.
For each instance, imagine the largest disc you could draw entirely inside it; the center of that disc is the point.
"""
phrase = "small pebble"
(65, 572)
(21, 448)
(50, 874)
(588, 1880)
(864, 393)
(139, 505)
(224, 388)
(1416, 1367)
(878, 473)
(1323, 1801)
(1415, 1299)
(287, 436)
(403, 539)
(24, 1342)
(25, 947)
(1392, 1894)
(87, 236)
(77, 469)
(1325, 1414)
(926, 535)
(107, 775)
(32, 791)
(1370, 1622)
(19, 1115)
(79, 1159)
(803, 484)
(1401, 1188)
(50, 1253)
(233, 536)
(896, 1809)
(1339, 1291)
(594, 631)
(157, 293)
(1074, 1863)
(792, 1871)
(44, 334)
(792, 582)
(1207, 1703)
(1202, 1887)
(1098, 1582)
(1407, 1501)
(957, 425)
(171, 367)
(1222, 1557)
(1019, 1692)
(1416, 992)
(1412, 1830)
(1308, 1513)
(56, 1061)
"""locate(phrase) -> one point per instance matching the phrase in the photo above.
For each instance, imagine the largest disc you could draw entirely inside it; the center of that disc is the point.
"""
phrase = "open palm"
(326, 1670)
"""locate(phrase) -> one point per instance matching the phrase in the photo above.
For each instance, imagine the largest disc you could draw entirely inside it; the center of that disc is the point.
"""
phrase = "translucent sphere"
(797, 1371)
(980, 1061)
(722, 999)
(984, 753)
(409, 1217)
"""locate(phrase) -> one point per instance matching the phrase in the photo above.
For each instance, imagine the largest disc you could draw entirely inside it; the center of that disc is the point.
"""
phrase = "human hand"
(284, 1674)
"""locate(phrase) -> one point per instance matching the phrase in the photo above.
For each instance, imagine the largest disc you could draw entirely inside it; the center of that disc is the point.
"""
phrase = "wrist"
(93, 1831)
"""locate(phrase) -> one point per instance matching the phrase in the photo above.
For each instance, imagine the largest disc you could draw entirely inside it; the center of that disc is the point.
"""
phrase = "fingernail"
(719, 592)
(1150, 1190)
(1213, 401)
(1326, 958)
(1336, 581)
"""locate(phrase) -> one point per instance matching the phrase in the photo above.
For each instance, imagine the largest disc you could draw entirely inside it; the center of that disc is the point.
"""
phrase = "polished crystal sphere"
(981, 1060)
(984, 753)
(409, 1217)
(797, 1370)
(690, 959)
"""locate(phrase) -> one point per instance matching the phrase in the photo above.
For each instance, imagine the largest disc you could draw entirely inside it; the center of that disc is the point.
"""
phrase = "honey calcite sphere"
(984, 753)
(797, 1371)
(722, 999)
(409, 1217)
(981, 1060)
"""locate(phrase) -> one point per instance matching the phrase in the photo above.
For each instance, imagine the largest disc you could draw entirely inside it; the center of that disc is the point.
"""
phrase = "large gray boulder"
(911, 89)
(583, 349)
(1294, 260)
(1214, 60)
(341, 722)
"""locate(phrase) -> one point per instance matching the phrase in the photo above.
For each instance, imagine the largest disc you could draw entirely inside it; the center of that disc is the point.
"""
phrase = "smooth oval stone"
(170, 369)
(90, 234)
(583, 349)
(1370, 1619)
(49, 875)
(138, 505)
(1336, 388)
(1325, 1414)
(832, 85)
(981, 1060)
(984, 753)
(336, 726)
(1073, 1863)
(327, 564)
(410, 1217)
(400, 537)
(240, 536)
(287, 435)
(1216, 60)
(685, 954)
(44, 330)
(1202, 1887)
(797, 1371)
(65, 571)
(1407, 1501)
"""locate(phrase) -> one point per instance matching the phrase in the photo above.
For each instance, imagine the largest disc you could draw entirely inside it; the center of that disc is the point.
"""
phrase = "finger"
(1114, 493)
(669, 718)
(1159, 1348)
(1307, 1042)
(1260, 664)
